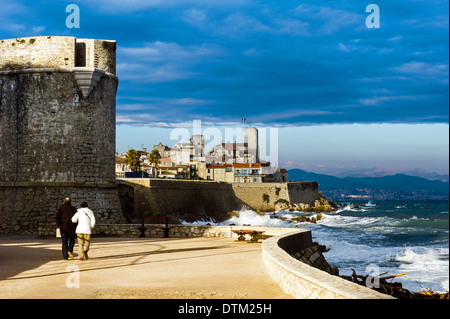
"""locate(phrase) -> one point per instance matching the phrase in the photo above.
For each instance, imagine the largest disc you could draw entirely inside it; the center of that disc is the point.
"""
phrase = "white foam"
(250, 217)
(425, 266)
(370, 204)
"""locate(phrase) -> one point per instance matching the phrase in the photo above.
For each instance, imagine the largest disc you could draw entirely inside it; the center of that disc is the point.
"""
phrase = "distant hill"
(398, 182)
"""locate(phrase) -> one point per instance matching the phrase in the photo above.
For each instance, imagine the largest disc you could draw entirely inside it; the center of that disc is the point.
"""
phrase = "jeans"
(68, 241)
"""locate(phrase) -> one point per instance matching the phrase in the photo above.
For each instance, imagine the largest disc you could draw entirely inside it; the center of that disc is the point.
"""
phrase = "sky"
(341, 95)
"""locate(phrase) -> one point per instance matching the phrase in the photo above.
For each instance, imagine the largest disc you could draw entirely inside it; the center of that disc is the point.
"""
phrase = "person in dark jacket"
(64, 222)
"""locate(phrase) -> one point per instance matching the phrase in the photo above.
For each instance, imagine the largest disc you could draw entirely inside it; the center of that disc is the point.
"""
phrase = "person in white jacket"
(86, 222)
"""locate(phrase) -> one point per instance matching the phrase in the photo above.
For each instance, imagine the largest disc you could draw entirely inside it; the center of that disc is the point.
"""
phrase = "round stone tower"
(57, 130)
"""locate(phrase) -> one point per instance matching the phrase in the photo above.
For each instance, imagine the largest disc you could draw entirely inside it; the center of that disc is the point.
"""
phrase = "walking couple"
(73, 222)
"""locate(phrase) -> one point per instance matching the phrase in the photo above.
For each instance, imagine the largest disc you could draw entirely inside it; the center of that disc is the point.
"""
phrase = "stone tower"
(251, 139)
(57, 129)
(198, 143)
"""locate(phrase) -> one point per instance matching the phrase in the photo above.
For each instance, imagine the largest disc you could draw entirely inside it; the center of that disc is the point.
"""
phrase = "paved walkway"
(156, 268)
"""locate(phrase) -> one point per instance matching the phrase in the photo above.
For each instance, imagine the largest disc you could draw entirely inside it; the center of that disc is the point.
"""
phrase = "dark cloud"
(274, 62)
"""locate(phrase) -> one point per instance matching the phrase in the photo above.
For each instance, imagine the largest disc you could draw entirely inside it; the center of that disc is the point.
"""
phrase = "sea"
(377, 237)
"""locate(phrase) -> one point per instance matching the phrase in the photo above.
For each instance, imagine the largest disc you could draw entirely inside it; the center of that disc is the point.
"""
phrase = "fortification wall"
(186, 200)
(49, 134)
(276, 196)
(197, 200)
(55, 139)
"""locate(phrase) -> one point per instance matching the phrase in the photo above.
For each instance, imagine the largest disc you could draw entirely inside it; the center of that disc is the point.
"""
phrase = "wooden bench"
(143, 227)
(253, 233)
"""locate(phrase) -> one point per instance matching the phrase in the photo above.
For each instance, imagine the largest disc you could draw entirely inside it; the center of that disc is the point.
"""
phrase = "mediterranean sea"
(372, 238)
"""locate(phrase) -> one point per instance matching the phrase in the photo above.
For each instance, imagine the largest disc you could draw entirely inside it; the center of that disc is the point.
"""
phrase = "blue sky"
(303, 67)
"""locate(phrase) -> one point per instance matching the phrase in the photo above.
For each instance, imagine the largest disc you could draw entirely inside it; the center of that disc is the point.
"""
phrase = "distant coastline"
(393, 187)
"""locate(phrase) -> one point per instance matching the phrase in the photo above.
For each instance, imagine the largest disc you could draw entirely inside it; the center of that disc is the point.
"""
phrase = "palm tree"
(133, 160)
(154, 158)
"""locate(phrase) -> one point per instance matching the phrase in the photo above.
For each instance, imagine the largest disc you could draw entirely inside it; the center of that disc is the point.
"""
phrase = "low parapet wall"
(303, 281)
(178, 231)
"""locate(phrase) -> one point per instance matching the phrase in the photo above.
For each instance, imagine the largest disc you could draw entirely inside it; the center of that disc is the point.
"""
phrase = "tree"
(154, 158)
(133, 160)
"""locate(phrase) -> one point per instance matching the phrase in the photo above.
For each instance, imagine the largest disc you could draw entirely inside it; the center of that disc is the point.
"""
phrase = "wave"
(250, 217)
(425, 267)
(412, 242)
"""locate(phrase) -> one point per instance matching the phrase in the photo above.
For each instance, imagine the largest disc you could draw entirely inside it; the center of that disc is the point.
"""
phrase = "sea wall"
(303, 281)
(276, 196)
(182, 200)
(197, 200)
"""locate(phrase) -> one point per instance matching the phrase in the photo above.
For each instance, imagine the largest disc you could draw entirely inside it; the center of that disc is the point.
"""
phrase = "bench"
(253, 233)
(143, 227)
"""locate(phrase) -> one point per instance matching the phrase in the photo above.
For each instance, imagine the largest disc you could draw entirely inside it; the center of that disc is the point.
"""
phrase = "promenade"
(128, 268)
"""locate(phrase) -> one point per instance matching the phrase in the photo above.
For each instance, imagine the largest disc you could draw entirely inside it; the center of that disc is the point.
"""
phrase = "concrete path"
(156, 268)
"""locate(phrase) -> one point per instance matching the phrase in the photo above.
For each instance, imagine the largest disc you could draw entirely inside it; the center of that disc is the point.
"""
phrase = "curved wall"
(303, 281)
(57, 130)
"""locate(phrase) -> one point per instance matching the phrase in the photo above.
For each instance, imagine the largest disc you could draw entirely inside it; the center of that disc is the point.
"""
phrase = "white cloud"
(238, 24)
(423, 68)
(166, 51)
(379, 100)
(131, 6)
(38, 29)
(326, 19)
(149, 73)
(194, 16)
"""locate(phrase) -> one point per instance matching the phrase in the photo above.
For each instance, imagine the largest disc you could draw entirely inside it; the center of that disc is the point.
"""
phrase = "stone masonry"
(57, 129)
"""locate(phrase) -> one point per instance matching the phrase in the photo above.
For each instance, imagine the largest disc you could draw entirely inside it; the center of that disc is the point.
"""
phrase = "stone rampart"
(276, 196)
(210, 200)
(182, 200)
